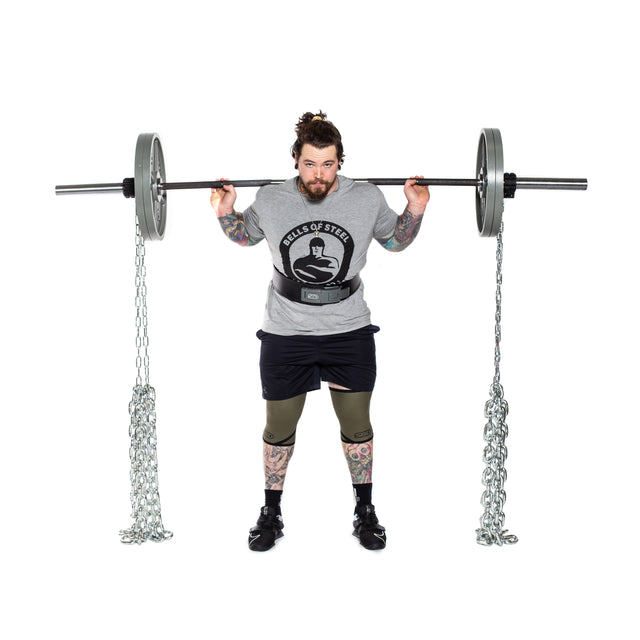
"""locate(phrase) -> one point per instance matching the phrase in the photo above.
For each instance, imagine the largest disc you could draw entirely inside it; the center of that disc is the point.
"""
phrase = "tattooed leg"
(359, 457)
(276, 461)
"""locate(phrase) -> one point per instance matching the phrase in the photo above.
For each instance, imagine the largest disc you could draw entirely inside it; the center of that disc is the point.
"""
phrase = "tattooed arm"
(231, 221)
(408, 223)
(233, 226)
(406, 230)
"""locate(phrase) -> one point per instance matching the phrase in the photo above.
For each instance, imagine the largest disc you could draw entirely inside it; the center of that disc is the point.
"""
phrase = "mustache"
(319, 181)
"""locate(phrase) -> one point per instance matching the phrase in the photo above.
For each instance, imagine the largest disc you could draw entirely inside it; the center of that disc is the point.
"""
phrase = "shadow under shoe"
(267, 530)
(367, 529)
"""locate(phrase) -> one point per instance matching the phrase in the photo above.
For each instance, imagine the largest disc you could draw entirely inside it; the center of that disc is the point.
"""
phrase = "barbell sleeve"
(569, 184)
(111, 187)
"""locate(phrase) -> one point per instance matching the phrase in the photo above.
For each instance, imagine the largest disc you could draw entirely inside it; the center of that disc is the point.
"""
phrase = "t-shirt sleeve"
(386, 219)
(252, 223)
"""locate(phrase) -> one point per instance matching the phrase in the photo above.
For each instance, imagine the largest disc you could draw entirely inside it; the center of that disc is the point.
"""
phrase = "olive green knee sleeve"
(352, 409)
(282, 420)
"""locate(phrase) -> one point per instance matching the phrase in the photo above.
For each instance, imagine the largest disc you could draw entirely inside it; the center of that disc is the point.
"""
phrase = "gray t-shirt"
(319, 242)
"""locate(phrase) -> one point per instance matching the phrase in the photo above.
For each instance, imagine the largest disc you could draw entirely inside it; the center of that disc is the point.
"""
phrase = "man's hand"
(223, 199)
(417, 196)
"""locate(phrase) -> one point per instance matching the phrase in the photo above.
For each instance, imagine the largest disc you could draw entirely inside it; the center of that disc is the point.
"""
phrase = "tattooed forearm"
(233, 226)
(360, 460)
(276, 461)
(406, 230)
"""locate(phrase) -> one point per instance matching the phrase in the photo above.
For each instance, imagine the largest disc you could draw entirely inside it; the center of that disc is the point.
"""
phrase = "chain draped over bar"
(495, 435)
(145, 497)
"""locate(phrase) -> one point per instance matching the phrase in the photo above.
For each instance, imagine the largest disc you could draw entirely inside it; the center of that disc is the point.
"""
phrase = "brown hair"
(316, 130)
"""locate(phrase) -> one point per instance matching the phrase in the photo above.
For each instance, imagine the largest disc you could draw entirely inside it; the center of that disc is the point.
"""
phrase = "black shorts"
(292, 365)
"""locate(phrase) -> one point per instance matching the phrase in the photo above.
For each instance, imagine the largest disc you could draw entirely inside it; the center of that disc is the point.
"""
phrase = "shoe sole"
(376, 548)
(278, 536)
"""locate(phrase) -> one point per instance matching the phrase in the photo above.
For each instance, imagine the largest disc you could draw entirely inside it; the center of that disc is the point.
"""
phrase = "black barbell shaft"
(571, 184)
(216, 184)
(452, 182)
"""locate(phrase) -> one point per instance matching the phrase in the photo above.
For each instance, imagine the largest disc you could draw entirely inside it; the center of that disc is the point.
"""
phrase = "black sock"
(272, 498)
(362, 493)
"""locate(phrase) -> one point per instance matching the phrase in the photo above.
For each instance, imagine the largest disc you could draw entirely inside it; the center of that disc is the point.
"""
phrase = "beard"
(317, 189)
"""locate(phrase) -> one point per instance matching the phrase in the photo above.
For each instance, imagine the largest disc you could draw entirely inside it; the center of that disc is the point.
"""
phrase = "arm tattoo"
(406, 230)
(360, 460)
(276, 461)
(234, 228)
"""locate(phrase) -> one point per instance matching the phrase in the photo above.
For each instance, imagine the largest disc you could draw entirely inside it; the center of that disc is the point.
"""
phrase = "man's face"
(318, 170)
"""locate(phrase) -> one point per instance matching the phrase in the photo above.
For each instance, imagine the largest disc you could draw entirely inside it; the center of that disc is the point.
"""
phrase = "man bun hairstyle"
(316, 130)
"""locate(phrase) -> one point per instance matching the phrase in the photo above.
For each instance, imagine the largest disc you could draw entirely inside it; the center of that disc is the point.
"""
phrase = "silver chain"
(495, 435)
(145, 498)
(142, 339)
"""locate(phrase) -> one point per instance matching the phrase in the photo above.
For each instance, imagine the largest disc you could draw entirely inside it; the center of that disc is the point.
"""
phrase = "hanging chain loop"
(495, 435)
(145, 498)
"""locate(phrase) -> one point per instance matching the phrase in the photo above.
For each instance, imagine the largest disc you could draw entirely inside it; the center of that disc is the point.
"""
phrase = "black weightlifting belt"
(308, 294)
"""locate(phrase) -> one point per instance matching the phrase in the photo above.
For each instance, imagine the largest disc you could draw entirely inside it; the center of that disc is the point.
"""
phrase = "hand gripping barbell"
(149, 186)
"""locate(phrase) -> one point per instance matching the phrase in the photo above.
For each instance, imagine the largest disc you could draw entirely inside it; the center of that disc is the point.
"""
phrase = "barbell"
(149, 186)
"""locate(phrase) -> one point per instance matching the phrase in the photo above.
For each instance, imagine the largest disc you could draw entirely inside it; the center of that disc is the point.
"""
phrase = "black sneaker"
(267, 530)
(367, 529)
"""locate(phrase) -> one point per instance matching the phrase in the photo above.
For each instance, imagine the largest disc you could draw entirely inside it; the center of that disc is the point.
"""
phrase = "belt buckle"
(311, 296)
(331, 295)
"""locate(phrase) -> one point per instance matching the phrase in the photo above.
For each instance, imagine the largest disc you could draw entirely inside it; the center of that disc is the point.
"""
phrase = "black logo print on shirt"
(318, 252)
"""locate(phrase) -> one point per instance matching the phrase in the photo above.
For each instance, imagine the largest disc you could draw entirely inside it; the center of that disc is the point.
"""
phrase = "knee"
(282, 421)
(352, 411)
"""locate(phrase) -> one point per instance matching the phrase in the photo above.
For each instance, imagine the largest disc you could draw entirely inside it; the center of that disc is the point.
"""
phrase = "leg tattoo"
(359, 457)
(276, 461)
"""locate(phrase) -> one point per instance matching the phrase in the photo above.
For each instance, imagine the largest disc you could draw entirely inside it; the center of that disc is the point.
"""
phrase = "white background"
(410, 85)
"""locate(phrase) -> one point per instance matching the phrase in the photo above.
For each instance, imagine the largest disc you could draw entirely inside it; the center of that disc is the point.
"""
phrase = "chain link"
(145, 498)
(495, 435)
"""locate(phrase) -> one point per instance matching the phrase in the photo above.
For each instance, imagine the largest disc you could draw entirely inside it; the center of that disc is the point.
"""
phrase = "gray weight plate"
(490, 194)
(151, 201)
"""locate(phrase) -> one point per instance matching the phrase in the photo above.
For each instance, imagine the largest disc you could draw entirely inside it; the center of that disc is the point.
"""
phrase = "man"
(317, 325)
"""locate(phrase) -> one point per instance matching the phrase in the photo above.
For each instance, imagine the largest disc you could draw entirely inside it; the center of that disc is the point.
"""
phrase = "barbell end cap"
(128, 188)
